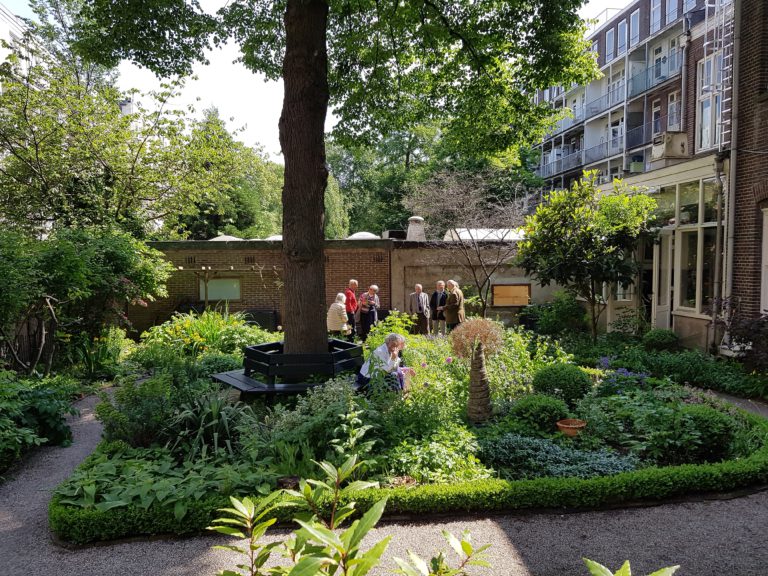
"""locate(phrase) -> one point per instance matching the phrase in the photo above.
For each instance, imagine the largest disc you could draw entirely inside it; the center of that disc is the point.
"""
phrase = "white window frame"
(671, 15)
(655, 24)
(688, 5)
(231, 291)
(610, 45)
(708, 102)
(595, 47)
(674, 123)
(634, 28)
(764, 266)
(621, 37)
(656, 117)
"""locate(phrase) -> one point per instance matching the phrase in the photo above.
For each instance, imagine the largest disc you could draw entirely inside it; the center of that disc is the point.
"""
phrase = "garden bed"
(178, 446)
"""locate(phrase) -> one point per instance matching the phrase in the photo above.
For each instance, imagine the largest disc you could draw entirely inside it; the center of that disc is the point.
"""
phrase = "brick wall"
(258, 265)
(751, 165)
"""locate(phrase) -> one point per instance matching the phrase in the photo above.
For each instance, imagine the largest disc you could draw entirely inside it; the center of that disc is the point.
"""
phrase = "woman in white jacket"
(337, 317)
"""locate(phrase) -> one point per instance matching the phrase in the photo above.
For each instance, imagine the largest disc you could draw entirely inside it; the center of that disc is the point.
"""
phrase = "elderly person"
(454, 306)
(350, 293)
(384, 362)
(337, 317)
(369, 310)
(418, 306)
(437, 305)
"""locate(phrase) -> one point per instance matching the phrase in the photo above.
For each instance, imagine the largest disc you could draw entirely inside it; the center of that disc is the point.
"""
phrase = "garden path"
(707, 537)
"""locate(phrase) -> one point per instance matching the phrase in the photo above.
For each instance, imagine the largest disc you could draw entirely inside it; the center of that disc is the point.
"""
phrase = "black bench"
(267, 371)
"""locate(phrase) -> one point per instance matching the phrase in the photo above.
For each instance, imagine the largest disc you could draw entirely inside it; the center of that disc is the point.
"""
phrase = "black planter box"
(268, 363)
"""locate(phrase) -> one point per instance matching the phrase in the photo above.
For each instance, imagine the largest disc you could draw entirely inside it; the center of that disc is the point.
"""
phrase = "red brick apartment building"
(682, 110)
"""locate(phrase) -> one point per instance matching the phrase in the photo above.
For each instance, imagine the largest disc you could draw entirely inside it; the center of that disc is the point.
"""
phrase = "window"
(689, 203)
(689, 251)
(673, 112)
(595, 46)
(622, 38)
(511, 294)
(624, 293)
(609, 45)
(655, 15)
(689, 5)
(659, 59)
(671, 11)
(221, 289)
(656, 117)
(634, 28)
(764, 280)
(709, 102)
(617, 88)
(664, 215)
(709, 202)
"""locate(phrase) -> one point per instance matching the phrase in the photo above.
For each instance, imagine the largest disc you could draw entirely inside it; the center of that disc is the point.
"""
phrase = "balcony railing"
(569, 162)
(573, 160)
(655, 74)
(607, 100)
(604, 150)
(643, 134)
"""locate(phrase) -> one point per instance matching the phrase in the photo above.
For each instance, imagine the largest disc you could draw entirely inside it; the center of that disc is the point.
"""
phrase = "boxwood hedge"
(80, 526)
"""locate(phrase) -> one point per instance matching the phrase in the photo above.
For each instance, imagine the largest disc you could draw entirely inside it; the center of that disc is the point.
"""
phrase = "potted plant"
(571, 426)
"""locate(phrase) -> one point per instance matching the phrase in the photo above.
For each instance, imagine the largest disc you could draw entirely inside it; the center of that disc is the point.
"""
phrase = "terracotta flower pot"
(571, 426)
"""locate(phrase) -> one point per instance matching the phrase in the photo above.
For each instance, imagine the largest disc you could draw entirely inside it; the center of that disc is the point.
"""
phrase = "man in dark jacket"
(437, 305)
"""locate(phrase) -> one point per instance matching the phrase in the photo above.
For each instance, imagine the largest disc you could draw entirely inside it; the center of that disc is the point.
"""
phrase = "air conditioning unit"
(670, 145)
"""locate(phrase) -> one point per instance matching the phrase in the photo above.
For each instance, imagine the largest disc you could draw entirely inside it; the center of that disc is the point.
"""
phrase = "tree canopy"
(382, 66)
(582, 240)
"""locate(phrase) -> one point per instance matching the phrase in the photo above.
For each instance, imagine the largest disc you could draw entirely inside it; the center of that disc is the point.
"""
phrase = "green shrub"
(540, 412)
(518, 457)
(564, 315)
(447, 456)
(212, 331)
(215, 362)
(139, 411)
(564, 381)
(81, 525)
(716, 431)
(31, 414)
(659, 339)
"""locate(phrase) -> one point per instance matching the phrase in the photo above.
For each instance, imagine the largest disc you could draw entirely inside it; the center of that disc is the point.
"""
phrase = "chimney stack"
(416, 231)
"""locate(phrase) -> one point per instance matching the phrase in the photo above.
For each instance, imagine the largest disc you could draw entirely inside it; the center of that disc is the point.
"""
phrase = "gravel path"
(707, 538)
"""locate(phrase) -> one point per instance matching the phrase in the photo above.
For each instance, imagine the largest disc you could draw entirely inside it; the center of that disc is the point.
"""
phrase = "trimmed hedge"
(81, 526)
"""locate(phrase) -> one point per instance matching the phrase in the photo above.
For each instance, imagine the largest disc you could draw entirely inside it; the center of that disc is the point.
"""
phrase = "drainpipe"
(684, 75)
(731, 207)
(717, 283)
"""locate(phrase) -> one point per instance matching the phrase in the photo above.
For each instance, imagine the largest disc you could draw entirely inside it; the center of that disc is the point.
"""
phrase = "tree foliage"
(76, 281)
(70, 157)
(460, 206)
(583, 240)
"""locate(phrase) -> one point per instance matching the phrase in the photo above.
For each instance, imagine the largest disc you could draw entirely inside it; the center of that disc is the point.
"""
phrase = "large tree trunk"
(302, 128)
(479, 403)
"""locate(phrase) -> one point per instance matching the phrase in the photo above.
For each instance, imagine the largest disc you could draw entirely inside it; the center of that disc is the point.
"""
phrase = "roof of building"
(509, 234)
(225, 238)
(363, 236)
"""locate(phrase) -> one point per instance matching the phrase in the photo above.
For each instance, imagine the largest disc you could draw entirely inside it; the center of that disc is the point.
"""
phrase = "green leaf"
(596, 569)
(454, 543)
(370, 559)
(418, 563)
(666, 571)
(227, 531)
(179, 510)
(322, 534)
(308, 566)
(625, 570)
(368, 521)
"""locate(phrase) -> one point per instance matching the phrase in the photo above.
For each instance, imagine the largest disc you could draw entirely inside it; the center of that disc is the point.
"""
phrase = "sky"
(243, 98)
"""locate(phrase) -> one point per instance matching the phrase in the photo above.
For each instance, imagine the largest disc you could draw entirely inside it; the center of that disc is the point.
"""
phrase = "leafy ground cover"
(176, 446)
(33, 412)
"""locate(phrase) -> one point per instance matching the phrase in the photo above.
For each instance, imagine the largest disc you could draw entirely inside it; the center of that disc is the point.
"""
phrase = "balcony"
(574, 160)
(604, 150)
(661, 71)
(607, 100)
(564, 164)
(643, 134)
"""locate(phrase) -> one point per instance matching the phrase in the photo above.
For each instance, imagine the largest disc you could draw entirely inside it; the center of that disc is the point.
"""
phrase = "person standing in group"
(369, 310)
(454, 306)
(351, 308)
(437, 307)
(336, 319)
(418, 305)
